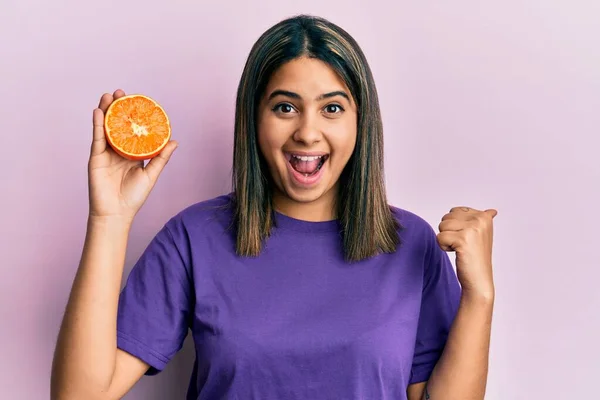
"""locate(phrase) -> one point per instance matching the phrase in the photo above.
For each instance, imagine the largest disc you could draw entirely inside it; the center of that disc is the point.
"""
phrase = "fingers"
(464, 209)
(492, 212)
(448, 240)
(467, 213)
(108, 98)
(157, 164)
(105, 101)
(99, 140)
(118, 93)
(460, 212)
(451, 225)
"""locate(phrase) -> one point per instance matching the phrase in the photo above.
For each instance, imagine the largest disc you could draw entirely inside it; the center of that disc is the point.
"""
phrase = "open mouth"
(306, 165)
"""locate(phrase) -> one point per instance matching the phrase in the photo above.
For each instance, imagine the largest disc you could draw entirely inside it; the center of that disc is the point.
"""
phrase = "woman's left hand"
(469, 233)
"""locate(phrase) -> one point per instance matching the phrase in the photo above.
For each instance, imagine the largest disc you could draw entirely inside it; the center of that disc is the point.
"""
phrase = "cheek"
(263, 132)
(344, 141)
(272, 134)
(269, 141)
(262, 144)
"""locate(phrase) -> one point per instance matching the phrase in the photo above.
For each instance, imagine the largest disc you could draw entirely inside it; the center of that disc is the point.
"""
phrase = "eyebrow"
(293, 95)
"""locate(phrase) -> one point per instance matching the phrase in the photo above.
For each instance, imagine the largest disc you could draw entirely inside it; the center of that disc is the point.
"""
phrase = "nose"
(308, 131)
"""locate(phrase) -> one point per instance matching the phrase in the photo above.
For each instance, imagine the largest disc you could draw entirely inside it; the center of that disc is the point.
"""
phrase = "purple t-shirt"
(297, 322)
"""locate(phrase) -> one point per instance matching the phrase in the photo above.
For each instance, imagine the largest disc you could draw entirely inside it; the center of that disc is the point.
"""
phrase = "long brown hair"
(368, 226)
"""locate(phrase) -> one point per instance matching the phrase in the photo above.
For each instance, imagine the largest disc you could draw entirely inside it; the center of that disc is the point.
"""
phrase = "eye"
(284, 108)
(333, 109)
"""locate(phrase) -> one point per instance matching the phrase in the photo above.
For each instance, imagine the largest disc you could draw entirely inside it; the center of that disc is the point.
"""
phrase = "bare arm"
(416, 391)
(461, 373)
(87, 363)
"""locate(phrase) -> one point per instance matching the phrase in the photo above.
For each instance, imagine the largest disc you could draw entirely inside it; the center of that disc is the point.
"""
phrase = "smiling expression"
(307, 128)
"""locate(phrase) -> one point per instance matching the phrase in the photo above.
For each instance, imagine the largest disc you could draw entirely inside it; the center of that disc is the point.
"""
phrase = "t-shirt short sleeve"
(155, 304)
(439, 304)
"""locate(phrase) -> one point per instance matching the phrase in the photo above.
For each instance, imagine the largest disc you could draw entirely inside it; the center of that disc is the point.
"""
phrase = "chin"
(304, 195)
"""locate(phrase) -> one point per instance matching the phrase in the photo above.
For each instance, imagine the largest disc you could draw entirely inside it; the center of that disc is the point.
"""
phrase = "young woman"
(303, 283)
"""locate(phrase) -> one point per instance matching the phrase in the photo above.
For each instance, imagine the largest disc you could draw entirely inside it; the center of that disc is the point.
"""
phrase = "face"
(307, 127)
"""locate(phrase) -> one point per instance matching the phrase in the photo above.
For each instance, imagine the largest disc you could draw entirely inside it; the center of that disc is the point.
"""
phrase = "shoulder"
(414, 230)
(410, 221)
(207, 216)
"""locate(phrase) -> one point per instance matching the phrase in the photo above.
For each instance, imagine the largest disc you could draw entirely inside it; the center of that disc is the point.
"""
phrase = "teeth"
(307, 158)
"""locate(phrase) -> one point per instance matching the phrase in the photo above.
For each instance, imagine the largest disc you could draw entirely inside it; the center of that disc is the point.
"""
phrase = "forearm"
(86, 347)
(461, 373)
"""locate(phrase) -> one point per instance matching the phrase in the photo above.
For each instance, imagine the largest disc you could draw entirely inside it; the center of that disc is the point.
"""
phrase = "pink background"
(488, 105)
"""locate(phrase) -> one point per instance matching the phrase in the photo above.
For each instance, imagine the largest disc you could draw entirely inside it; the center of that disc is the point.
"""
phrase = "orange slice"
(137, 127)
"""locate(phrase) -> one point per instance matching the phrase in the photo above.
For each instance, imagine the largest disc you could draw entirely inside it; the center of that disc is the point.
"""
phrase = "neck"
(321, 209)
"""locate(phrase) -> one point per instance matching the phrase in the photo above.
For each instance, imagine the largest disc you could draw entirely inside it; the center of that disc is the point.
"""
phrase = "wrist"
(112, 222)
(482, 296)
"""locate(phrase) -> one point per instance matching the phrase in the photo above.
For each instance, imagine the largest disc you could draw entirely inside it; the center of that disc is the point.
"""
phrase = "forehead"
(306, 75)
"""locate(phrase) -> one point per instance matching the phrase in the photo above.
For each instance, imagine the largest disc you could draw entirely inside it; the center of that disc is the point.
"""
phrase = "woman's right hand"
(118, 187)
